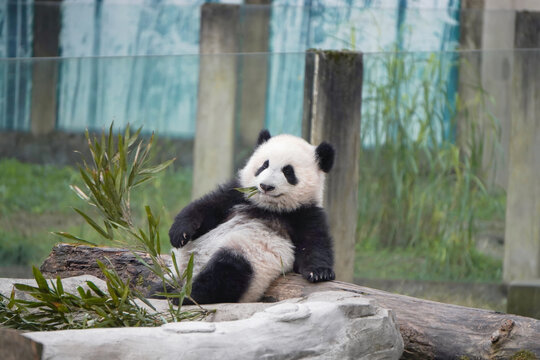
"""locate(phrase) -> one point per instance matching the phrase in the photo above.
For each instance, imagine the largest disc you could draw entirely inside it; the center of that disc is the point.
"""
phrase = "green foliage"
(56, 309)
(417, 264)
(25, 235)
(16, 249)
(419, 190)
(22, 187)
(117, 168)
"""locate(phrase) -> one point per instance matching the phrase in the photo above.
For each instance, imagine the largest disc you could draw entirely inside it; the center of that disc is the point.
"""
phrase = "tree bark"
(430, 330)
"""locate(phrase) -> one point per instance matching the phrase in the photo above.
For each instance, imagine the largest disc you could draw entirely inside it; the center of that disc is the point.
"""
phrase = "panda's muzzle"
(267, 188)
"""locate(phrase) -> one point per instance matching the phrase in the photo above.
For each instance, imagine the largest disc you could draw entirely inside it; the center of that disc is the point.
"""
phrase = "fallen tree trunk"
(430, 330)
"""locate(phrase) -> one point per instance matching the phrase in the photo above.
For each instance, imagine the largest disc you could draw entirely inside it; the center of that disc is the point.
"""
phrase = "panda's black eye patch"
(288, 171)
(263, 167)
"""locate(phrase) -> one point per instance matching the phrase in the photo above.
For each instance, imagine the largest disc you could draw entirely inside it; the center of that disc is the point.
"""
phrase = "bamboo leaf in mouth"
(250, 191)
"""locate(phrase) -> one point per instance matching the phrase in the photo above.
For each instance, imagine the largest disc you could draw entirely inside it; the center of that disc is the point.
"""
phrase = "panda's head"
(287, 171)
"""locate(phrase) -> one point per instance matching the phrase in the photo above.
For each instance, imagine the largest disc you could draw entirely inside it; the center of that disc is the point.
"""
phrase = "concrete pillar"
(522, 237)
(497, 68)
(470, 64)
(253, 74)
(332, 108)
(214, 136)
(46, 32)
(489, 25)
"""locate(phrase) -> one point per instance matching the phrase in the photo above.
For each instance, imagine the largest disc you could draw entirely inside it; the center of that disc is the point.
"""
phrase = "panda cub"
(242, 242)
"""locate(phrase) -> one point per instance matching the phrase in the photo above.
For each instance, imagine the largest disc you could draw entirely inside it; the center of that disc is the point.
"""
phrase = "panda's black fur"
(228, 274)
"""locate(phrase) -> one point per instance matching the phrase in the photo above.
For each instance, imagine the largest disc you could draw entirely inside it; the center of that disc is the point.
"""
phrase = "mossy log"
(430, 330)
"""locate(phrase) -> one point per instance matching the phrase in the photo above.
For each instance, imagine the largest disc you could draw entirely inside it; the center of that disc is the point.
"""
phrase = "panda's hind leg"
(225, 278)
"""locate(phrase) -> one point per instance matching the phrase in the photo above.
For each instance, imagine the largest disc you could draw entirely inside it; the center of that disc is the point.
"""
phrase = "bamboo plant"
(118, 165)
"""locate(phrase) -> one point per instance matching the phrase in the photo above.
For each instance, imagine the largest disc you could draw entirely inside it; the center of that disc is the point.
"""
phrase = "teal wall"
(119, 59)
(15, 76)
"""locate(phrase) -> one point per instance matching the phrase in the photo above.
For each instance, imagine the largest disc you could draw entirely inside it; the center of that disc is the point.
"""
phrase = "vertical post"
(332, 108)
(471, 25)
(253, 71)
(522, 238)
(46, 32)
(214, 136)
(498, 33)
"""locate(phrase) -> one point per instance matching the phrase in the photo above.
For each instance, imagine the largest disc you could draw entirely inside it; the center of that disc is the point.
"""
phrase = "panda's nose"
(267, 188)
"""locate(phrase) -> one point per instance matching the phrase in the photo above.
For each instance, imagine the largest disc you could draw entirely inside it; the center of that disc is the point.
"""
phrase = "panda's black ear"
(325, 154)
(264, 135)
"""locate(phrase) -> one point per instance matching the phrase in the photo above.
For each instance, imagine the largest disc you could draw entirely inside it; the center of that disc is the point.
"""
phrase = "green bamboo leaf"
(59, 286)
(126, 132)
(175, 265)
(135, 162)
(73, 237)
(110, 145)
(79, 192)
(158, 168)
(188, 274)
(40, 280)
(26, 288)
(141, 181)
(11, 302)
(250, 191)
(112, 292)
(97, 290)
(93, 224)
(122, 152)
(141, 260)
(134, 138)
(124, 295)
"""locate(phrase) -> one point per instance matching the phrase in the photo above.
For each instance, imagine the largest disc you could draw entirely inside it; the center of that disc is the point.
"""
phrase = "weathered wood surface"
(430, 330)
(67, 260)
(433, 330)
(14, 346)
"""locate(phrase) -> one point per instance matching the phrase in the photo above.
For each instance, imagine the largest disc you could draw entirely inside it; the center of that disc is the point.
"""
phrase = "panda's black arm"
(204, 214)
(314, 256)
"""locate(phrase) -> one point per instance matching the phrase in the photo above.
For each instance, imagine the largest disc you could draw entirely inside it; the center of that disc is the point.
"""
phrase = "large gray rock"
(324, 325)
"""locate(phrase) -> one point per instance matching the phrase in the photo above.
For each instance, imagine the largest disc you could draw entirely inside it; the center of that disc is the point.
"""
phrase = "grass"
(423, 197)
(35, 201)
(30, 189)
(412, 264)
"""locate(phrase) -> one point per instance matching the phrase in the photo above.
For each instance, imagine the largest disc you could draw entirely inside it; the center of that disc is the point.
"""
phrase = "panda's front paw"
(316, 274)
(182, 232)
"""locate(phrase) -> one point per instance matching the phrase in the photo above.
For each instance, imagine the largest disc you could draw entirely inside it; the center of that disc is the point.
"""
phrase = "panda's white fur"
(265, 241)
(269, 252)
(284, 150)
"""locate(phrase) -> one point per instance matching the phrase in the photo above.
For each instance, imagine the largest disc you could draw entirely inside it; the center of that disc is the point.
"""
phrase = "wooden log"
(14, 346)
(433, 330)
(68, 260)
(430, 330)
